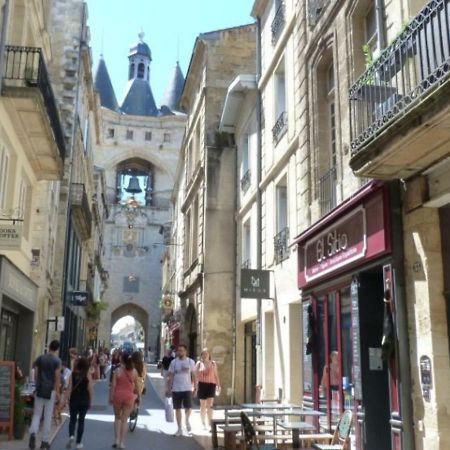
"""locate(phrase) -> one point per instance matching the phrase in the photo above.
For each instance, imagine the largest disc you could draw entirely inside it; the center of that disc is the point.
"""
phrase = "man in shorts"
(182, 385)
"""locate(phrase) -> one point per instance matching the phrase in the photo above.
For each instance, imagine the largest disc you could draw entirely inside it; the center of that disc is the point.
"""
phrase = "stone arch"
(135, 311)
(191, 331)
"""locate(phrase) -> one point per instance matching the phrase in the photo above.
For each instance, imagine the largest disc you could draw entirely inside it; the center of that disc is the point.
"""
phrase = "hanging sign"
(10, 236)
(79, 298)
(255, 283)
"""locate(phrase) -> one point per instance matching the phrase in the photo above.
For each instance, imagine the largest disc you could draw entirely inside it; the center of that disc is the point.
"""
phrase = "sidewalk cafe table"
(296, 427)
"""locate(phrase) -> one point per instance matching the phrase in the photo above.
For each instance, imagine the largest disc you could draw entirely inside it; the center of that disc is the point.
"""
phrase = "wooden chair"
(250, 441)
(340, 439)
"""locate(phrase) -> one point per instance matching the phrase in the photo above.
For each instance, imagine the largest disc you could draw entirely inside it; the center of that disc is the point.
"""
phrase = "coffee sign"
(10, 236)
(340, 244)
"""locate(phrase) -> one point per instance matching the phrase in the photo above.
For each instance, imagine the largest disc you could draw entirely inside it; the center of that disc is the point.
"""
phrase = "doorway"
(8, 335)
(250, 361)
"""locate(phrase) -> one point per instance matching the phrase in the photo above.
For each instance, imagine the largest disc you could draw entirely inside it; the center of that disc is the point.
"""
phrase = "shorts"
(206, 390)
(182, 399)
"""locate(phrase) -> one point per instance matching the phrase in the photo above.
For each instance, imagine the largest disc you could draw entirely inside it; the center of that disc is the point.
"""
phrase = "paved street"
(152, 431)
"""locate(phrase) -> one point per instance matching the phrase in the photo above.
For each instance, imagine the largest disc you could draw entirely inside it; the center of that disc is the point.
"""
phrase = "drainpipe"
(3, 35)
(380, 19)
(258, 202)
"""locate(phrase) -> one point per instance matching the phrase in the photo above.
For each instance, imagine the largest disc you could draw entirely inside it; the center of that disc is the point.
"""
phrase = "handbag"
(168, 407)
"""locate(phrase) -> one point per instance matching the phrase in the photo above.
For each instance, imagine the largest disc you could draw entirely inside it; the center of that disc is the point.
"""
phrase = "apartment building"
(204, 204)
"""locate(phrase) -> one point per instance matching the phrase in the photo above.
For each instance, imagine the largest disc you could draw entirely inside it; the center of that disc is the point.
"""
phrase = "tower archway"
(139, 314)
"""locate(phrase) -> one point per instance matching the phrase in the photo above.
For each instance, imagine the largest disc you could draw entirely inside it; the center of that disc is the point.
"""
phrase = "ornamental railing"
(27, 65)
(281, 245)
(278, 22)
(280, 127)
(246, 181)
(327, 191)
(414, 66)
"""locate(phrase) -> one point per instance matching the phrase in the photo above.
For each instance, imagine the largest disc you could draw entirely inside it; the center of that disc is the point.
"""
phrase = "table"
(274, 405)
(296, 427)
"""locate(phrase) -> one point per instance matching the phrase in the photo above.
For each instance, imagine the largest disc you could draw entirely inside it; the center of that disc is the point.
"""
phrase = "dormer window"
(131, 74)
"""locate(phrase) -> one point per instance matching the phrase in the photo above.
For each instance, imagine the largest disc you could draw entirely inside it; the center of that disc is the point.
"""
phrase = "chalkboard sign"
(355, 341)
(7, 380)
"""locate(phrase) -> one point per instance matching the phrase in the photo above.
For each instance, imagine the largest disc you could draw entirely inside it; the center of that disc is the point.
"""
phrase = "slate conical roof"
(138, 100)
(104, 86)
(174, 89)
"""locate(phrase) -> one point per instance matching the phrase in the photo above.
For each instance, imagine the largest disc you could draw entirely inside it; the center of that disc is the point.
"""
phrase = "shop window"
(4, 172)
(8, 335)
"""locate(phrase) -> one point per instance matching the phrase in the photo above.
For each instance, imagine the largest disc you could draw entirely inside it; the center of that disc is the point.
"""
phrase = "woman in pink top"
(208, 383)
(123, 394)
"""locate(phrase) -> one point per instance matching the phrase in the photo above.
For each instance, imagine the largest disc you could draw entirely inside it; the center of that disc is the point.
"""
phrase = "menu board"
(7, 372)
(355, 341)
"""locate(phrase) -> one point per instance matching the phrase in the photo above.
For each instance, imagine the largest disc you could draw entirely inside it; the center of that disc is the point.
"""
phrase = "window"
(187, 240)
(194, 227)
(332, 115)
(281, 239)
(166, 137)
(141, 70)
(4, 171)
(246, 245)
(131, 284)
(282, 212)
(374, 30)
(111, 133)
(129, 135)
(86, 137)
(280, 126)
(131, 73)
(25, 206)
(245, 164)
(134, 182)
(148, 136)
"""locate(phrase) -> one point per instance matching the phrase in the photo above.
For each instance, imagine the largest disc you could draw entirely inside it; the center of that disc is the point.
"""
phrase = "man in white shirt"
(182, 385)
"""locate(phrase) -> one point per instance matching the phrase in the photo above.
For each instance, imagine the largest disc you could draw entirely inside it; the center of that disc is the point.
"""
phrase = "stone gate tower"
(138, 151)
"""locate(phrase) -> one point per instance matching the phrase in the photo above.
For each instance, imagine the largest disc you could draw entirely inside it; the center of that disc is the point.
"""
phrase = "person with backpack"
(47, 369)
(80, 400)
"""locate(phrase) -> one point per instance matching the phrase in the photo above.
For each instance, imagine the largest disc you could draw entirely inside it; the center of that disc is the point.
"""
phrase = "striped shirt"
(206, 374)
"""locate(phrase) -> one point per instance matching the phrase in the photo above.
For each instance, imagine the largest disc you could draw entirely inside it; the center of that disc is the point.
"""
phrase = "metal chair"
(340, 439)
(249, 434)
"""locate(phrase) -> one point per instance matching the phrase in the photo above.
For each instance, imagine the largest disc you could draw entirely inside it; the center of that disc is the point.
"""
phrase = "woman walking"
(81, 396)
(123, 395)
(141, 369)
(208, 383)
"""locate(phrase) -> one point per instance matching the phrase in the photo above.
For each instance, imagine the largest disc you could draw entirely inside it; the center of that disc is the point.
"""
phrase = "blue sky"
(170, 27)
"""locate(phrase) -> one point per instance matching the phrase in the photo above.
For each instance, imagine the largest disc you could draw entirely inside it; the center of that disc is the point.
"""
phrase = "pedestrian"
(181, 385)
(81, 397)
(103, 361)
(165, 364)
(63, 397)
(122, 396)
(73, 355)
(95, 368)
(115, 363)
(141, 369)
(48, 379)
(208, 385)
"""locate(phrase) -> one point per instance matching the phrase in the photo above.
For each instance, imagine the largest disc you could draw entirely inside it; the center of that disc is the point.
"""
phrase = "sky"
(170, 27)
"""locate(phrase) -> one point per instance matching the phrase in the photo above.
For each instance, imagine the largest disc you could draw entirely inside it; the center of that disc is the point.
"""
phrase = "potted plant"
(19, 412)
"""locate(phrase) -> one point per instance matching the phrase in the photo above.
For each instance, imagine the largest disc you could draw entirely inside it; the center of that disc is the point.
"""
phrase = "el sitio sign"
(255, 283)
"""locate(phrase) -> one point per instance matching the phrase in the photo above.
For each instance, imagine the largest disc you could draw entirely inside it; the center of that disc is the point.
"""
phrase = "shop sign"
(79, 298)
(255, 283)
(10, 236)
(17, 286)
(339, 245)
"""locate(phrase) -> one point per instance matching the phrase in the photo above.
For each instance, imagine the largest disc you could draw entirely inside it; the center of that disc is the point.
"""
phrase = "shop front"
(349, 282)
(18, 296)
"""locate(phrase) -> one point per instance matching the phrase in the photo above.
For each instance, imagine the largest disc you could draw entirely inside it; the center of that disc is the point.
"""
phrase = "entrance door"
(250, 361)
(8, 334)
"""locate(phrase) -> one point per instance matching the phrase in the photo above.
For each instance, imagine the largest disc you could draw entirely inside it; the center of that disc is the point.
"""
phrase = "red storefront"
(348, 277)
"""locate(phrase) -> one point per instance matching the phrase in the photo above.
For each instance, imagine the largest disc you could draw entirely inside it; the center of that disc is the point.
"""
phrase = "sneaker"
(32, 442)
(80, 445)
(45, 445)
(70, 442)
(179, 432)
(188, 427)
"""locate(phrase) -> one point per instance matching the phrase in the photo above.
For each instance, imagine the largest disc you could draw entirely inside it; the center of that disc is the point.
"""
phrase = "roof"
(174, 89)
(104, 86)
(138, 99)
(141, 48)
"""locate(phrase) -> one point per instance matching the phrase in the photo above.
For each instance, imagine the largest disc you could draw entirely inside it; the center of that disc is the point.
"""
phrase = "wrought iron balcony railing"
(278, 23)
(280, 127)
(246, 181)
(327, 191)
(27, 66)
(412, 68)
(246, 264)
(281, 245)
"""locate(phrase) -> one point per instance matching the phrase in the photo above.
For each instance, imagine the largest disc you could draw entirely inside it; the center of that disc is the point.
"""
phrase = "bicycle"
(132, 420)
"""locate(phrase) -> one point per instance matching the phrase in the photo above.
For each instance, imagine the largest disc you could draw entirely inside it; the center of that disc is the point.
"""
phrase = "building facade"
(137, 151)
(203, 251)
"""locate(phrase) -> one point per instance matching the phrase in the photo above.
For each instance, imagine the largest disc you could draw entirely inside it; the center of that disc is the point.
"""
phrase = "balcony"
(278, 23)
(31, 104)
(281, 245)
(81, 212)
(280, 128)
(399, 106)
(327, 191)
(246, 181)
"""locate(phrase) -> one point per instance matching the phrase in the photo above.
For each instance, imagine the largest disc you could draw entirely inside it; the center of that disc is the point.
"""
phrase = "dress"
(124, 392)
